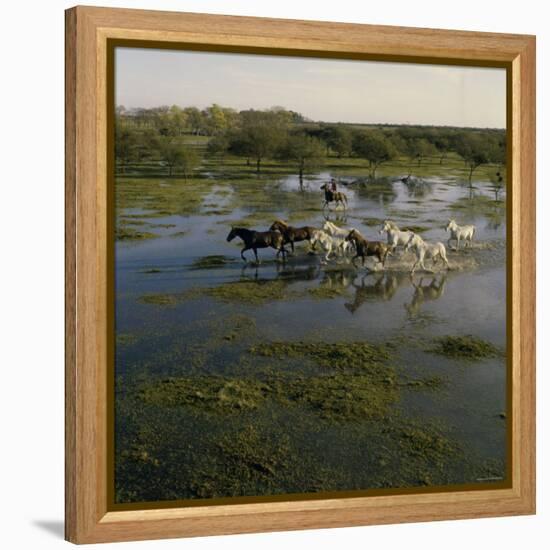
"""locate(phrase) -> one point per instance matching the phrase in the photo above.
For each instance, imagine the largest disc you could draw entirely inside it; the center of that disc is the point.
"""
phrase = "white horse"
(396, 237)
(464, 232)
(333, 229)
(330, 243)
(339, 233)
(424, 250)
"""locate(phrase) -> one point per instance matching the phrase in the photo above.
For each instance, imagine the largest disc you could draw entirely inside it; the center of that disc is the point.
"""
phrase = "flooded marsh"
(304, 376)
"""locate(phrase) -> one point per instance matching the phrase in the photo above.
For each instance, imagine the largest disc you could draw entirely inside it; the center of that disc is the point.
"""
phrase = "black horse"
(258, 239)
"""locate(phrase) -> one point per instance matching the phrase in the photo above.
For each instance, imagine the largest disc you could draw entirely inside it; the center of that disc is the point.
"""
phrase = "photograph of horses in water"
(310, 277)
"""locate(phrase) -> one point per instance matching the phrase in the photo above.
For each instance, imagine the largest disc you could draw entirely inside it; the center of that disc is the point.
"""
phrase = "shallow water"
(369, 306)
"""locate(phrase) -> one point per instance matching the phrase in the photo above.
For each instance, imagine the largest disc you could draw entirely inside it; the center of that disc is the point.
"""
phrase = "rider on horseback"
(332, 195)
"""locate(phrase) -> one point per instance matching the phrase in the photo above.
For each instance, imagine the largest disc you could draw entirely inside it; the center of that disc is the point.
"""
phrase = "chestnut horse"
(334, 196)
(294, 234)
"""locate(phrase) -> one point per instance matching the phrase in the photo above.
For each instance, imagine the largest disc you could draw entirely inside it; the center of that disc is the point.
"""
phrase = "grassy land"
(223, 186)
(352, 392)
(236, 167)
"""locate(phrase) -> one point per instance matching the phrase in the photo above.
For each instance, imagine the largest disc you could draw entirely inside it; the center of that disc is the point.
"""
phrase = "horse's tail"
(473, 233)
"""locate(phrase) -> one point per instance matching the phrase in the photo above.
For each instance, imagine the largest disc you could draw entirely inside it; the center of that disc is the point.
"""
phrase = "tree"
(374, 147)
(418, 149)
(498, 149)
(476, 150)
(340, 141)
(259, 137)
(188, 161)
(304, 151)
(195, 120)
(237, 144)
(218, 145)
(443, 146)
(170, 121)
(126, 144)
(218, 119)
(177, 120)
(497, 182)
(175, 155)
(284, 116)
(147, 144)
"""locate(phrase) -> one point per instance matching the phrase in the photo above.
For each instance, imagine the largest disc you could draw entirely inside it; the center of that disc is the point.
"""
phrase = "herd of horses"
(341, 242)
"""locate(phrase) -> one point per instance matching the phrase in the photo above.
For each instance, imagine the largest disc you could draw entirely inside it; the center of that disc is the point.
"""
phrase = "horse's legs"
(243, 251)
(457, 242)
(419, 262)
(292, 246)
(256, 255)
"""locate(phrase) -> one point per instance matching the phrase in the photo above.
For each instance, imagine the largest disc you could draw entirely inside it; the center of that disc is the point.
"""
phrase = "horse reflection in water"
(425, 293)
(286, 272)
(336, 216)
(296, 273)
(338, 279)
(376, 287)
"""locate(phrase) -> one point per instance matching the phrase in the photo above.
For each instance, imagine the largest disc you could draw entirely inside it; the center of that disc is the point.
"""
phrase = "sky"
(326, 90)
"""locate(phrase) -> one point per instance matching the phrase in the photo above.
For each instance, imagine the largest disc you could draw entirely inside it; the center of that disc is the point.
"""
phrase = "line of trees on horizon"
(281, 134)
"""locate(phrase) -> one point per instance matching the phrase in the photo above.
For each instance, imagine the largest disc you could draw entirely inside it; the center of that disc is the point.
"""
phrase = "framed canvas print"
(300, 273)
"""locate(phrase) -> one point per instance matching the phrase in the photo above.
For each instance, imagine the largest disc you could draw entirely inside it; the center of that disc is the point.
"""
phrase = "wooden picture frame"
(88, 294)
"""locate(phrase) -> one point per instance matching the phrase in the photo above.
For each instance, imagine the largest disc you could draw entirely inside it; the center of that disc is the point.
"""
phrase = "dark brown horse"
(258, 239)
(366, 248)
(293, 234)
(333, 196)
